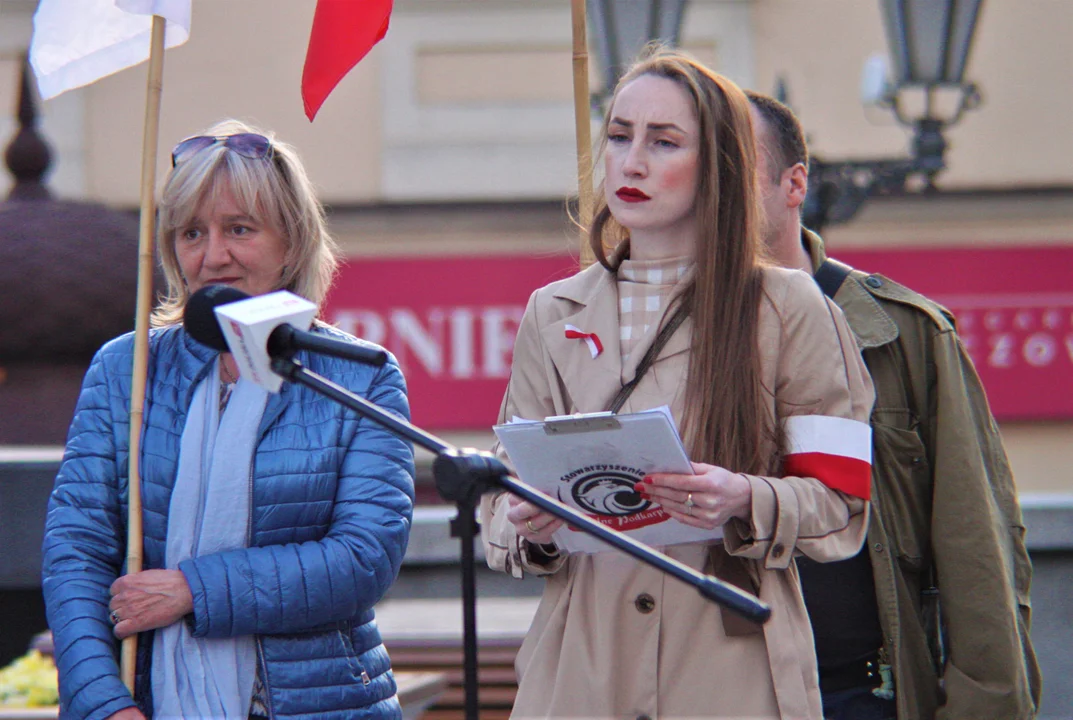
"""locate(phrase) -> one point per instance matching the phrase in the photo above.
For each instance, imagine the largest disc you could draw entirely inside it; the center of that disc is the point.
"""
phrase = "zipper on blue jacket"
(249, 544)
(264, 677)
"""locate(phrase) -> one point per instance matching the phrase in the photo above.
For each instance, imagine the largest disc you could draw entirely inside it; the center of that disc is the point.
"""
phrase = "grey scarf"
(209, 513)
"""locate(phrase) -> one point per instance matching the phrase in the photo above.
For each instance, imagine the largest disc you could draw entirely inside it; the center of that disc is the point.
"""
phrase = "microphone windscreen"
(199, 318)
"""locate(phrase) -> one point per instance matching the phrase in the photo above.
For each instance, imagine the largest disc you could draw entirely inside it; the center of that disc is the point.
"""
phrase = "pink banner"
(1014, 309)
(451, 321)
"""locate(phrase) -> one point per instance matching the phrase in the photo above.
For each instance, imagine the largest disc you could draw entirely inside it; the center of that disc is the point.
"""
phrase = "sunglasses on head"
(248, 145)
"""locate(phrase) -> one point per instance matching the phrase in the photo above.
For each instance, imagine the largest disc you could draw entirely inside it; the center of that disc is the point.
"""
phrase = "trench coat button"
(878, 547)
(645, 603)
(777, 551)
(873, 282)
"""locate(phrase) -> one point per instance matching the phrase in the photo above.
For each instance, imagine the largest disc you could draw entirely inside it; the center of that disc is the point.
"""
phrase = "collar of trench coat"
(595, 292)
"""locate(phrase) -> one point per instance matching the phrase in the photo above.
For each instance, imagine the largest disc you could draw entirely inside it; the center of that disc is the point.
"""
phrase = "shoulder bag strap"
(733, 570)
(679, 316)
(830, 276)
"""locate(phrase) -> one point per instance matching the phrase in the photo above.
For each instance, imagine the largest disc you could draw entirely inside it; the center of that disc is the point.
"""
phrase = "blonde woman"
(757, 368)
(273, 523)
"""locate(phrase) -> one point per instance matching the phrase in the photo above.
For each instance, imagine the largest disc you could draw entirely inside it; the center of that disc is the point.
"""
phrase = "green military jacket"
(944, 506)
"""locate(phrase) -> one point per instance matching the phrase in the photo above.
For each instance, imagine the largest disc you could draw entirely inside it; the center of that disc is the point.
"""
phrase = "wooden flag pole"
(583, 128)
(147, 231)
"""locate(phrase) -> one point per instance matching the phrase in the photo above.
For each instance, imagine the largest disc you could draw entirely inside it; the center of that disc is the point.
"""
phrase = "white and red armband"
(836, 451)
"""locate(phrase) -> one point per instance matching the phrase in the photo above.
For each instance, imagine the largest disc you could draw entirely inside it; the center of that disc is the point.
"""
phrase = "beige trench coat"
(614, 638)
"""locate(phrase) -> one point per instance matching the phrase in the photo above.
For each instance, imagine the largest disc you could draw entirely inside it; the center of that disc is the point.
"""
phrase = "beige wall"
(985, 219)
(470, 99)
(1041, 455)
(1022, 60)
(476, 95)
(62, 121)
(244, 59)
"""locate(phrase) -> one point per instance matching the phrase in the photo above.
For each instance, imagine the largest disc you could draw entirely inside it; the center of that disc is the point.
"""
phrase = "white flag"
(76, 42)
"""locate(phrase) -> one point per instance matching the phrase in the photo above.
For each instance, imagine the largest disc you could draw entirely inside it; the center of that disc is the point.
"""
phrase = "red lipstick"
(631, 195)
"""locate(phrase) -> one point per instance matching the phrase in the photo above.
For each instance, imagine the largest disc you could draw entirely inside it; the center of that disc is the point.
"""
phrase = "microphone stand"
(463, 475)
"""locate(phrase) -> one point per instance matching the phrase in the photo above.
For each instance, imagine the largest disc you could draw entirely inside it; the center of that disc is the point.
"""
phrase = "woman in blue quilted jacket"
(273, 522)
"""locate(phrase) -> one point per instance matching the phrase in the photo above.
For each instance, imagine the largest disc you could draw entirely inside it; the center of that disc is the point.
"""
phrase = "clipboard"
(591, 463)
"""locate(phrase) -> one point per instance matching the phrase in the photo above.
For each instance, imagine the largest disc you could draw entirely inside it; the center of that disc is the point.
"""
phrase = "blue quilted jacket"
(332, 499)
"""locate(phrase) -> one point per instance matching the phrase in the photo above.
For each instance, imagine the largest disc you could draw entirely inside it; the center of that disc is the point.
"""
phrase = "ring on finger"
(689, 501)
(114, 617)
(529, 524)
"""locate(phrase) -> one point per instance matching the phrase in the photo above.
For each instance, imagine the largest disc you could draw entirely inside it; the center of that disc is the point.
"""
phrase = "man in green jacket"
(932, 619)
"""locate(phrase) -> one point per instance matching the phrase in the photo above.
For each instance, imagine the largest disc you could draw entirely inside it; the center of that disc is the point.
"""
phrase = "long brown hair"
(726, 420)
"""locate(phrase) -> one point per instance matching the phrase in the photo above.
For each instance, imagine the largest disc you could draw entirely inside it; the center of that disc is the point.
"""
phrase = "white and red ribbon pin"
(595, 346)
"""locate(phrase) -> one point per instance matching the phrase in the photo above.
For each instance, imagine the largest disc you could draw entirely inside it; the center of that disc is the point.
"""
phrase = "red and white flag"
(344, 31)
(836, 451)
(77, 42)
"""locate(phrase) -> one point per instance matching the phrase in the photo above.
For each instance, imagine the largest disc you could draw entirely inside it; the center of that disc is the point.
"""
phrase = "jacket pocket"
(902, 476)
(357, 669)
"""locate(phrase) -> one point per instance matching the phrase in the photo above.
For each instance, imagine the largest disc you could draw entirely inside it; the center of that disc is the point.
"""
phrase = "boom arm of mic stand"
(464, 475)
(458, 468)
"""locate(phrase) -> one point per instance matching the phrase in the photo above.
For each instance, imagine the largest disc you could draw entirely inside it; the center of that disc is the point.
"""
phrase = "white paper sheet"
(591, 463)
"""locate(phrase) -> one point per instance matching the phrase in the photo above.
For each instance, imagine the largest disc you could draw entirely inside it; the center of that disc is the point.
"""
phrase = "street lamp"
(929, 43)
(623, 27)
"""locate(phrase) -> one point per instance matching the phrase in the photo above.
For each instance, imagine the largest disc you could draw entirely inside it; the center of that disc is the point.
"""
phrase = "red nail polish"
(647, 479)
(638, 487)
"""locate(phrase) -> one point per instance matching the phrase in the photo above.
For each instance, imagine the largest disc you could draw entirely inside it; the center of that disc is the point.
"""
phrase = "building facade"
(447, 155)
(454, 139)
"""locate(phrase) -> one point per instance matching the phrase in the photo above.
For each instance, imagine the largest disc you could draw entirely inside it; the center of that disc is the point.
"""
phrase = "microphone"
(258, 329)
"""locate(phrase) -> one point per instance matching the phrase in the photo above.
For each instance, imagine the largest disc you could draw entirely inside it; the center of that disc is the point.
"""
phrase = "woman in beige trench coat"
(766, 385)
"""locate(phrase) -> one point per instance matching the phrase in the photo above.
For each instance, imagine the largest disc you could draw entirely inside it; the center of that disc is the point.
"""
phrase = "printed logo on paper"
(606, 493)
